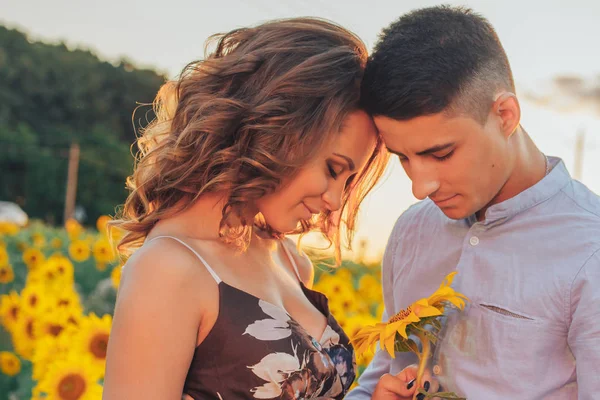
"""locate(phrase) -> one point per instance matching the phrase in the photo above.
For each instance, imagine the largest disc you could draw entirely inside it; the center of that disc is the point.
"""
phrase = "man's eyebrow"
(435, 149)
(425, 152)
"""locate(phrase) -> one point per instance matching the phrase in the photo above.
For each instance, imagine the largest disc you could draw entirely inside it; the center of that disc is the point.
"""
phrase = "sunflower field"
(58, 287)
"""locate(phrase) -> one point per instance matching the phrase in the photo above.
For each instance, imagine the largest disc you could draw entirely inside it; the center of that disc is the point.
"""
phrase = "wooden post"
(71, 181)
(579, 151)
(362, 250)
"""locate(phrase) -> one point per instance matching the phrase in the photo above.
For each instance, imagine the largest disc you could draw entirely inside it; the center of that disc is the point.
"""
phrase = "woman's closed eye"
(333, 172)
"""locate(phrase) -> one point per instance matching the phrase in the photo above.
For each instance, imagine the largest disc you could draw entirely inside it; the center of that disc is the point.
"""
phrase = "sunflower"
(8, 228)
(101, 224)
(56, 243)
(33, 299)
(73, 228)
(47, 350)
(340, 316)
(92, 339)
(334, 285)
(79, 250)
(433, 306)
(4, 258)
(348, 303)
(33, 258)
(70, 378)
(446, 294)
(38, 240)
(344, 273)
(9, 363)
(10, 309)
(74, 315)
(355, 323)
(353, 326)
(6, 273)
(385, 333)
(59, 269)
(115, 276)
(54, 321)
(23, 336)
(36, 395)
(68, 299)
(35, 277)
(103, 251)
(44, 276)
(369, 288)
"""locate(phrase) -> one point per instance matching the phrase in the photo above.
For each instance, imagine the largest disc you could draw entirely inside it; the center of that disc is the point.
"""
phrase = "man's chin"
(455, 212)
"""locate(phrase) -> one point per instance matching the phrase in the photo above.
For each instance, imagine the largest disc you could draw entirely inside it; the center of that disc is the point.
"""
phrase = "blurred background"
(72, 75)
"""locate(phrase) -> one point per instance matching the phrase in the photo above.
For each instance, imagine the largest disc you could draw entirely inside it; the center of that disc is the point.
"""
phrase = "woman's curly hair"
(251, 113)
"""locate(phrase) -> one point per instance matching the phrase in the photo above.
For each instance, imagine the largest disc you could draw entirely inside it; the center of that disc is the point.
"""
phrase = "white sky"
(543, 39)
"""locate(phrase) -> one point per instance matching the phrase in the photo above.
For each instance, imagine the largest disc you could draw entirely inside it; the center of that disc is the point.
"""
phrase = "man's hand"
(403, 385)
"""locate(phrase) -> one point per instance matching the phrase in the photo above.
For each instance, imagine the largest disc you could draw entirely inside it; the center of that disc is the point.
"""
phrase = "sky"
(544, 40)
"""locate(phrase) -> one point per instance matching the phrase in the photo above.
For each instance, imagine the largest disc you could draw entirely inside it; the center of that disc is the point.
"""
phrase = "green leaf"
(25, 383)
(405, 345)
(421, 330)
(441, 395)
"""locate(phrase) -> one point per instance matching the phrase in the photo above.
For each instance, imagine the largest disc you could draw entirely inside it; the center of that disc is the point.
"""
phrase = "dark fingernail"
(411, 384)
(420, 396)
(426, 386)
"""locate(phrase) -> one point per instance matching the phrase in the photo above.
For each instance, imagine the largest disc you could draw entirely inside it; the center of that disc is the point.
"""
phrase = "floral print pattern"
(322, 369)
(256, 350)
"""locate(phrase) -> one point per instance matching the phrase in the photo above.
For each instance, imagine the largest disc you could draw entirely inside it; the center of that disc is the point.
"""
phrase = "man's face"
(457, 162)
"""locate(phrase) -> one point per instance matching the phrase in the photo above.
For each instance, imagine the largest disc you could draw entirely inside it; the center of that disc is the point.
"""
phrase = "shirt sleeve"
(584, 329)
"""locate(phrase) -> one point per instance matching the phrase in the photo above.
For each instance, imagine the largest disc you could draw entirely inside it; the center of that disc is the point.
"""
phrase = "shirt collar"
(550, 185)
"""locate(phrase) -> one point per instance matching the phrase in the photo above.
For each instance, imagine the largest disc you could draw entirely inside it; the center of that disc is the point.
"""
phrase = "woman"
(261, 139)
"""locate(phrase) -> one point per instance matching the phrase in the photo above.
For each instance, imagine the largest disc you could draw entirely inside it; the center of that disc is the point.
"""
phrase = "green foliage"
(50, 97)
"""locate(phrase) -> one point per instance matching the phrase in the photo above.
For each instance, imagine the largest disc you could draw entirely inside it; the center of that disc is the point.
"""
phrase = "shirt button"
(437, 370)
(474, 240)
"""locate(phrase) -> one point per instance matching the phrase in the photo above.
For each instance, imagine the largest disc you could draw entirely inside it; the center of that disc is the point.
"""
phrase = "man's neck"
(529, 167)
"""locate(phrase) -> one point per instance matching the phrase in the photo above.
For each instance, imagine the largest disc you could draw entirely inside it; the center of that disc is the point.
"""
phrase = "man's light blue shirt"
(531, 270)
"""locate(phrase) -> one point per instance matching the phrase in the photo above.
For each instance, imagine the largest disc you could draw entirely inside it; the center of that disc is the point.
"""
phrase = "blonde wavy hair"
(253, 111)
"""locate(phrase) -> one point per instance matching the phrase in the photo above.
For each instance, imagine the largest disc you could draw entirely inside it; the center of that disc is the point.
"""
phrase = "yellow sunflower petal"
(427, 311)
(458, 301)
(388, 344)
(449, 278)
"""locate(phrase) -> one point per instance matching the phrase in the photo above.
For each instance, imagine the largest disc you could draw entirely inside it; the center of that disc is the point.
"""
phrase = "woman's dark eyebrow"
(348, 160)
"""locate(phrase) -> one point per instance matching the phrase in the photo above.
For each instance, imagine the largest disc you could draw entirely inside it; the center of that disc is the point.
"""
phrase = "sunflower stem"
(423, 357)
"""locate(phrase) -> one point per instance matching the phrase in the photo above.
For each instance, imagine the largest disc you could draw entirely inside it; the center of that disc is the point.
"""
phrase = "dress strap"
(212, 272)
(289, 255)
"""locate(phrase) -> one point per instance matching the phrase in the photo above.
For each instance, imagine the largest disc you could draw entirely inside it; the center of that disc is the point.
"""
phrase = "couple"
(284, 129)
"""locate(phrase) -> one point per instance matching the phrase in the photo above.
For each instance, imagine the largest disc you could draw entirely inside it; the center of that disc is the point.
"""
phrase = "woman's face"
(318, 186)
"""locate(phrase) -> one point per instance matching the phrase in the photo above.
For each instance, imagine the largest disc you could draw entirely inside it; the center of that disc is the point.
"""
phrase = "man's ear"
(507, 109)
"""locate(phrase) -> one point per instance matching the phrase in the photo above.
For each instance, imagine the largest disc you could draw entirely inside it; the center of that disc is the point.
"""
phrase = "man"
(523, 236)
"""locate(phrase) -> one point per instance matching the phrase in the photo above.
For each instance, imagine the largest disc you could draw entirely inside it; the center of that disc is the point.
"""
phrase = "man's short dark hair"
(436, 59)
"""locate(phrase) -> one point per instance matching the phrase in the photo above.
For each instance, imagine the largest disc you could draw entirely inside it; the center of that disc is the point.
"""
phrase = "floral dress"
(256, 350)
